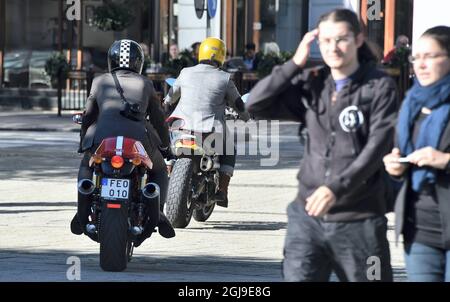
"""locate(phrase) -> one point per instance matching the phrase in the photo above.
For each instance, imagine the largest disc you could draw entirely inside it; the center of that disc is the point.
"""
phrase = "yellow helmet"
(212, 49)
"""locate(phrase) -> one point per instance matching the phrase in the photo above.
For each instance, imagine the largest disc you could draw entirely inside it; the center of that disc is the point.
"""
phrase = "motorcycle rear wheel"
(113, 237)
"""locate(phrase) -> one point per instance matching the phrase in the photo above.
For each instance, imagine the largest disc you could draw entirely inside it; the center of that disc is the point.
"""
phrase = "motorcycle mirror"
(77, 118)
(170, 81)
(245, 97)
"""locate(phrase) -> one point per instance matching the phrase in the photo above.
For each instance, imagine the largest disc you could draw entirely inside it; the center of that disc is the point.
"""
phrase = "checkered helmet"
(125, 54)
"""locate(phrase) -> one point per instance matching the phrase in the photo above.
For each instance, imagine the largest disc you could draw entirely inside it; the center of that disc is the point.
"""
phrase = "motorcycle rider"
(104, 117)
(204, 91)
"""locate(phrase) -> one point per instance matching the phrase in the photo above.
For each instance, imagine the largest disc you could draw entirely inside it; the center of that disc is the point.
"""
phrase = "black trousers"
(157, 175)
(356, 251)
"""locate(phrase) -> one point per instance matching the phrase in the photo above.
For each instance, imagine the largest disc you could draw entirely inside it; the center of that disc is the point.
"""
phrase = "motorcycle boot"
(165, 229)
(79, 221)
(221, 195)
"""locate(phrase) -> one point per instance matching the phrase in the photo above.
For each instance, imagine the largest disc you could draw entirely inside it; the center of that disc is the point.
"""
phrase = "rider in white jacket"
(202, 93)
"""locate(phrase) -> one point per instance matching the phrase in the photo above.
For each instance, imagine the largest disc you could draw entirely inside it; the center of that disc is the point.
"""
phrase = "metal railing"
(73, 91)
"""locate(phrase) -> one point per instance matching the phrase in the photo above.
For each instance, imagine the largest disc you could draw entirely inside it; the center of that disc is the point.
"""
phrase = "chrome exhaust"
(151, 190)
(206, 163)
(91, 228)
(137, 230)
(86, 186)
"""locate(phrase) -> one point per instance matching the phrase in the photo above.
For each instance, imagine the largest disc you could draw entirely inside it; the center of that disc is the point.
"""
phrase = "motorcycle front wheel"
(204, 213)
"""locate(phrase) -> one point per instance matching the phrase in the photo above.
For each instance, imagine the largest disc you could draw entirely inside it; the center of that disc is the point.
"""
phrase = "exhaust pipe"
(151, 198)
(151, 191)
(206, 163)
(137, 230)
(91, 228)
(86, 186)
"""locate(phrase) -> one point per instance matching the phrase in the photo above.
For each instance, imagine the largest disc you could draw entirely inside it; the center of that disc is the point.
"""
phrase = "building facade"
(32, 29)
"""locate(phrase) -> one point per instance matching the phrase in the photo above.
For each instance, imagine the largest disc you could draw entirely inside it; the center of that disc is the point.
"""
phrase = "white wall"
(427, 14)
(190, 28)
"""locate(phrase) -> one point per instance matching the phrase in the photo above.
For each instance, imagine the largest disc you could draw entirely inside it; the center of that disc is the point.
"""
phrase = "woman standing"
(423, 139)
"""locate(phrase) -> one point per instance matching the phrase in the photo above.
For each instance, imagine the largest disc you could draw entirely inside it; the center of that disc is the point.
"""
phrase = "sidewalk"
(37, 121)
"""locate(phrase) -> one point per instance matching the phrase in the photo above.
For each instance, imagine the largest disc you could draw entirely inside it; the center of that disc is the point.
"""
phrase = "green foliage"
(268, 61)
(115, 16)
(400, 58)
(176, 65)
(57, 63)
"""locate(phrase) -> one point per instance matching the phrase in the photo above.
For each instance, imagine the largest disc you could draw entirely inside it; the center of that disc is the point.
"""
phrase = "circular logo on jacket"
(351, 118)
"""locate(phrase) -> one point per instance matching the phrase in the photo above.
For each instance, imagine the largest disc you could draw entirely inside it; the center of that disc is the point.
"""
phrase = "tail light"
(96, 158)
(188, 142)
(113, 205)
(117, 161)
(136, 161)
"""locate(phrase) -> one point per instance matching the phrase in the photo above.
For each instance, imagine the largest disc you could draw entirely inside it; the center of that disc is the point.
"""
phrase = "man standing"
(348, 107)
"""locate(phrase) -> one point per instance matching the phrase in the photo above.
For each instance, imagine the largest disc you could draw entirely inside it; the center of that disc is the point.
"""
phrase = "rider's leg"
(159, 176)
(226, 170)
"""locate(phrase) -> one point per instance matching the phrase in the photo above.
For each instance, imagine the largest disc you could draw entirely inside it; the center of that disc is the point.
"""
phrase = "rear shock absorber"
(94, 224)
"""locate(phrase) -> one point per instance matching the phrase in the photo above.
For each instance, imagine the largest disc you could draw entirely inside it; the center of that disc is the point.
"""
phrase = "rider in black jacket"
(348, 108)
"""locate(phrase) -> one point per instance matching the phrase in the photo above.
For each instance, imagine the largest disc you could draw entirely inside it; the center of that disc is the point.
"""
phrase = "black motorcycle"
(125, 204)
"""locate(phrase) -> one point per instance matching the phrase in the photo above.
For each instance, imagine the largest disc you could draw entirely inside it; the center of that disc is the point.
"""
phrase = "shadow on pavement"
(244, 225)
(51, 265)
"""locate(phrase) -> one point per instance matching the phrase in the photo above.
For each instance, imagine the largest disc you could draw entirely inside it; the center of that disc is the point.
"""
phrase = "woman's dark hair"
(441, 34)
(365, 54)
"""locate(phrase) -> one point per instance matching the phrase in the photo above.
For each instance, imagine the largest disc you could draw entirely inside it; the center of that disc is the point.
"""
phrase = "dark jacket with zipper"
(349, 163)
(442, 189)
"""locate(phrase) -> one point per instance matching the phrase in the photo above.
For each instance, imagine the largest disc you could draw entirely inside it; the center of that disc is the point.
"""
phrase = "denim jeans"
(314, 248)
(427, 264)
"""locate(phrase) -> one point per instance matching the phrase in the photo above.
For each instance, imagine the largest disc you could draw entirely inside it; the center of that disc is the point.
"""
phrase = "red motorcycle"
(125, 204)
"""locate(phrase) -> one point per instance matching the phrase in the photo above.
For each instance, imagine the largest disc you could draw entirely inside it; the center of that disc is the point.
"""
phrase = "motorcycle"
(125, 204)
(194, 176)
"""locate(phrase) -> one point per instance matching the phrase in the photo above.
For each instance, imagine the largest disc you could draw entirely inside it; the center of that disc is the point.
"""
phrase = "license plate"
(113, 188)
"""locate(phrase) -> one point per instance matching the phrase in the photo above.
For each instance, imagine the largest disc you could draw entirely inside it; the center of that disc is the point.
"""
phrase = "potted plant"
(57, 67)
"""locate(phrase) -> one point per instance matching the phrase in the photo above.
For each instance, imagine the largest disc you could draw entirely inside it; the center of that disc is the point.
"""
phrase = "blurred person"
(173, 51)
(348, 107)
(423, 140)
(194, 52)
(401, 44)
(250, 58)
(271, 48)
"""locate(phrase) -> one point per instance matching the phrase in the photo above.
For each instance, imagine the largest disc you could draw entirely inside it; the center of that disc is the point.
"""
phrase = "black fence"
(73, 91)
